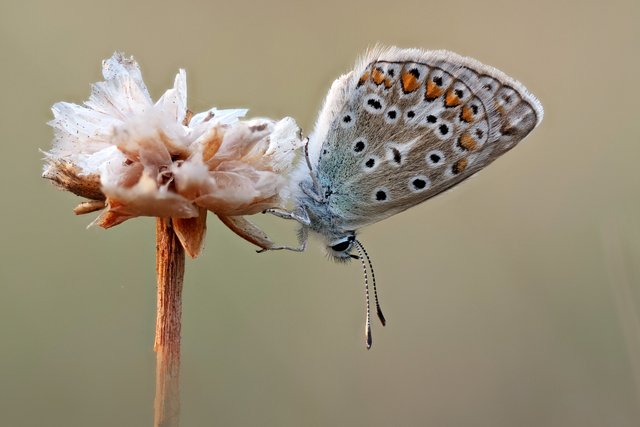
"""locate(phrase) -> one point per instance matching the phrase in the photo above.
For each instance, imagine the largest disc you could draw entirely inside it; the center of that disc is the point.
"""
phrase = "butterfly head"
(339, 248)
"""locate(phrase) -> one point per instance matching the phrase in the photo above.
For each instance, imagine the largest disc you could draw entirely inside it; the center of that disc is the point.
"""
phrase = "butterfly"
(403, 126)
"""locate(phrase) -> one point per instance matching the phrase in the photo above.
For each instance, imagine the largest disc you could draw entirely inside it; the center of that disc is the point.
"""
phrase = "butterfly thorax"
(323, 219)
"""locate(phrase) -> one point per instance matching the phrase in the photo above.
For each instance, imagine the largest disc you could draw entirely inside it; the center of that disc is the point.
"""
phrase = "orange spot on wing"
(466, 142)
(377, 75)
(433, 91)
(451, 99)
(363, 78)
(387, 83)
(409, 82)
(459, 166)
(467, 114)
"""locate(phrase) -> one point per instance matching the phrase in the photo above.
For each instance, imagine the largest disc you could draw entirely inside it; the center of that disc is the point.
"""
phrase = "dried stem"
(170, 274)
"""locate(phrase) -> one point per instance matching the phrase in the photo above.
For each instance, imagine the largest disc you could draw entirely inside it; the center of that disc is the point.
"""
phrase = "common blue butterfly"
(400, 128)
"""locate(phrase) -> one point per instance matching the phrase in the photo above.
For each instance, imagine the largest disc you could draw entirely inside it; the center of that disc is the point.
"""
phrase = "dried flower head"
(134, 157)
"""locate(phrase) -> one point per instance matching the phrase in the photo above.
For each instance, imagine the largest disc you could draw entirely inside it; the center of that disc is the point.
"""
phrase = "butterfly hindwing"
(407, 124)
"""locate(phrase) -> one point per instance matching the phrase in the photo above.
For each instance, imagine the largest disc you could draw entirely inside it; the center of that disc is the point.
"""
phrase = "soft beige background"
(512, 301)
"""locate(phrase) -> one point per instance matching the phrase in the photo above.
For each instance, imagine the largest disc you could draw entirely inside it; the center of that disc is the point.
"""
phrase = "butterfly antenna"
(373, 281)
(314, 178)
(367, 330)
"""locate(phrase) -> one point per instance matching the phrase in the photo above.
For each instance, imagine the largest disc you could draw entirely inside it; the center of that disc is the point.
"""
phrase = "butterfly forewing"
(413, 124)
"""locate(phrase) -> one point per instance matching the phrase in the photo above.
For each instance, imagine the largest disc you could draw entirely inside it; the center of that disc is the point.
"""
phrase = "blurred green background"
(512, 300)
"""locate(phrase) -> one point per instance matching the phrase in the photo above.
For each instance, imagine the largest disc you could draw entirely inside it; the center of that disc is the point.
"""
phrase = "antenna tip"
(369, 339)
(381, 317)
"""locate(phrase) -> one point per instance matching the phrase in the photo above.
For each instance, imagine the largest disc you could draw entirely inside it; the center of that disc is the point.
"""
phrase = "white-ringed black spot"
(391, 72)
(381, 195)
(370, 163)
(347, 120)
(444, 129)
(419, 184)
(459, 93)
(375, 104)
(392, 114)
(479, 133)
(359, 146)
(411, 114)
(431, 118)
(435, 158)
(474, 108)
(397, 157)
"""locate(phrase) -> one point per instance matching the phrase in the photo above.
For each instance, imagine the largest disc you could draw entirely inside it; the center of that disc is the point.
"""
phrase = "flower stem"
(170, 274)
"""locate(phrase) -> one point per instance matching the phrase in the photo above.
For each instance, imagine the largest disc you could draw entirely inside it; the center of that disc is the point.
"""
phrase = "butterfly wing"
(408, 124)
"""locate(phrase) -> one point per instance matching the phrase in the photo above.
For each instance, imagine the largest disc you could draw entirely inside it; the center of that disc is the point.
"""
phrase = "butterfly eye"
(342, 246)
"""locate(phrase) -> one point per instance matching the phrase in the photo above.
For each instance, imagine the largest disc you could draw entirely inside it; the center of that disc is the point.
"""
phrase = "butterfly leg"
(317, 192)
(300, 215)
(303, 236)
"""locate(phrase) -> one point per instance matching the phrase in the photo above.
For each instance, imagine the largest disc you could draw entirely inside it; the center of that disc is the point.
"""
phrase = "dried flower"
(134, 157)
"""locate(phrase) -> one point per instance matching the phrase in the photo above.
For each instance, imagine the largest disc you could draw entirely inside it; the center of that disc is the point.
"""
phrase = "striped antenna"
(367, 328)
(373, 281)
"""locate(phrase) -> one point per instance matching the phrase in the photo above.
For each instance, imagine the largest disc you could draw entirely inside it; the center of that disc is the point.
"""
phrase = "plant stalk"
(170, 274)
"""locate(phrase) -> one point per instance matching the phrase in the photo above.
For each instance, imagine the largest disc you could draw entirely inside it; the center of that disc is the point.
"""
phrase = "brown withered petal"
(68, 177)
(191, 232)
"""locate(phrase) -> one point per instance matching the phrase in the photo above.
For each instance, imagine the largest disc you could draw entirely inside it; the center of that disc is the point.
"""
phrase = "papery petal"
(143, 199)
(240, 191)
(191, 177)
(248, 138)
(144, 138)
(119, 65)
(123, 93)
(119, 171)
(78, 130)
(284, 145)
(91, 163)
(217, 117)
(247, 230)
(191, 232)
(81, 131)
(174, 101)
